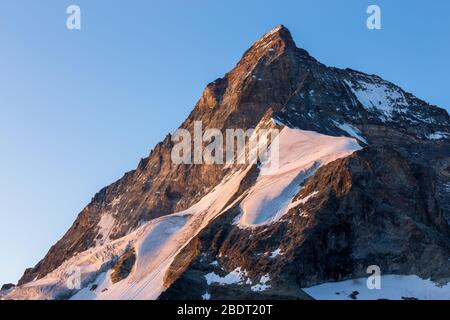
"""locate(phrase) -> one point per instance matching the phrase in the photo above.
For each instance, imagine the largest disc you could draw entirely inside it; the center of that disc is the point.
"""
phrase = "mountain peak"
(272, 44)
(358, 129)
(278, 39)
(279, 33)
(280, 29)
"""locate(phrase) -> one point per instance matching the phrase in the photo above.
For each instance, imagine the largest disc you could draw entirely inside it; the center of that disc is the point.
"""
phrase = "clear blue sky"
(79, 108)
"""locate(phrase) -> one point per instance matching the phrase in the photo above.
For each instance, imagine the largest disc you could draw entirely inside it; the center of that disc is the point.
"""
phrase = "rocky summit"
(364, 180)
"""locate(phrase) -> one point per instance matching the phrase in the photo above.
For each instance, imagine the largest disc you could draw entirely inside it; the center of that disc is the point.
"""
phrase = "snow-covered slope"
(156, 244)
(392, 287)
(300, 154)
(379, 97)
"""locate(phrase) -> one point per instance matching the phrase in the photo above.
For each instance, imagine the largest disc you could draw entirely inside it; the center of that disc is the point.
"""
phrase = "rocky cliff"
(385, 202)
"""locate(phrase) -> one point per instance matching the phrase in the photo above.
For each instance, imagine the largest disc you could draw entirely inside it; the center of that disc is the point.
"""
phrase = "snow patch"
(237, 276)
(236, 219)
(105, 226)
(352, 131)
(206, 296)
(393, 287)
(275, 253)
(379, 97)
(301, 153)
(304, 200)
(262, 285)
(438, 136)
(276, 122)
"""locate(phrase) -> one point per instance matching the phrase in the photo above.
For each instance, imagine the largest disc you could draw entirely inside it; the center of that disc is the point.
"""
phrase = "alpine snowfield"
(301, 153)
(156, 244)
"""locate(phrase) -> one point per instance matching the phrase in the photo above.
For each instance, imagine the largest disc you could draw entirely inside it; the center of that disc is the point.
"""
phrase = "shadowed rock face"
(7, 286)
(384, 205)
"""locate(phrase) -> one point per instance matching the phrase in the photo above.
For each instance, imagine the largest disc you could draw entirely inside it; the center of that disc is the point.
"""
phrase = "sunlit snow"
(393, 287)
